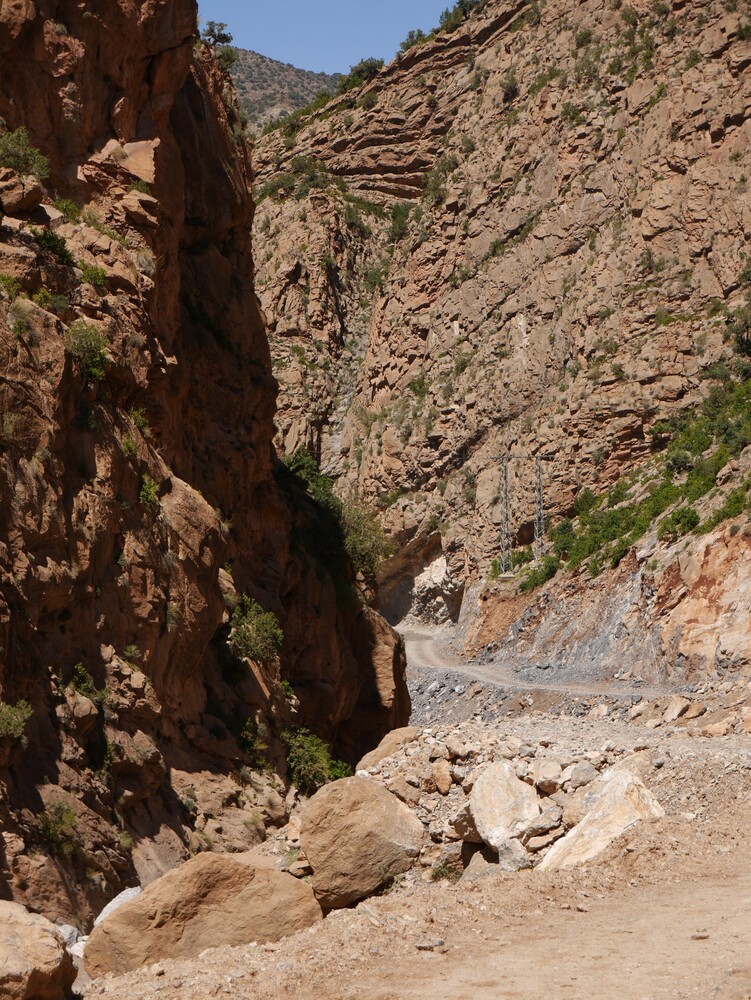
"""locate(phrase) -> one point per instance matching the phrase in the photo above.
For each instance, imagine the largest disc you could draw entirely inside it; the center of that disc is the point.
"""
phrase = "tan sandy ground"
(665, 912)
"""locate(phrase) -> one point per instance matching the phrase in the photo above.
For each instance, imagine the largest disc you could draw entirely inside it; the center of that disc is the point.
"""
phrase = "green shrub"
(138, 415)
(309, 761)
(91, 219)
(522, 557)
(82, 682)
(226, 57)
(734, 505)
(355, 528)
(54, 244)
(17, 153)
(365, 70)
(88, 346)
(148, 494)
(71, 211)
(13, 719)
(129, 447)
(414, 37)
(572, 114)
(57, 304)
(510, 87)
(435, 180)
(364, 539)
(455, 16)
(400, 213)
(739, 328)
(441, 871)
(57, 826)
(547, 569)
(289, 691)
(95, 276)
(141, 186)
(680, 522)
(256, 633)
(11, 286)
(253, 745)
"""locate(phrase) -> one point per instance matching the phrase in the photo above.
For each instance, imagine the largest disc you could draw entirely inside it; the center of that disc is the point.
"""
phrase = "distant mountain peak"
(268, 88)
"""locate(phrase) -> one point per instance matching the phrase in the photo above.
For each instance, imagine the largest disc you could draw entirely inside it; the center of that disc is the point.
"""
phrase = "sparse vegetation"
(253, 745)
(17, 153)
(88, 346)
(10, 286)
(309, 761)
(148, 493)
(365, 70)
(58, 827)
(435, 180)
(350, 526)
(13, 719)
(256, 634)
(54, 244)
(95, 276)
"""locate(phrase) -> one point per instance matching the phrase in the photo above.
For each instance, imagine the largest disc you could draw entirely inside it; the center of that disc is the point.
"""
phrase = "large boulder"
(501, 805)
(18, 194)
(208, 902)
(390, 744)
(620, 801)
(356, 836)
(34, 964)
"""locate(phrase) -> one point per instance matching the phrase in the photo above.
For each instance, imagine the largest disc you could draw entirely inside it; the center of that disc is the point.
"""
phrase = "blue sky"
(327, 35)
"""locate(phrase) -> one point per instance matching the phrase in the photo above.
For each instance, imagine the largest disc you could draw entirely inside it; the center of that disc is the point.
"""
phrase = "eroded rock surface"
(141, 495)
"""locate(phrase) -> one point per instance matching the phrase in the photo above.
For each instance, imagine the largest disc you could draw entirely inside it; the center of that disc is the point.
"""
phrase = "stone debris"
(620, 801)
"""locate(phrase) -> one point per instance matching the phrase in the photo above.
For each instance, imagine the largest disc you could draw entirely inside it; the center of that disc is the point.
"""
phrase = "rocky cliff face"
(141, 497)
(522, 239)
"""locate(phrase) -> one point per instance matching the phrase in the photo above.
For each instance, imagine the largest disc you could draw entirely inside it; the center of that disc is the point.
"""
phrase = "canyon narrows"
(375, 605)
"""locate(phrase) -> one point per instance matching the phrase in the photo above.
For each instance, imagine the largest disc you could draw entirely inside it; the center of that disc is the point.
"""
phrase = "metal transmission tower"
(505, 554)
(539, 511)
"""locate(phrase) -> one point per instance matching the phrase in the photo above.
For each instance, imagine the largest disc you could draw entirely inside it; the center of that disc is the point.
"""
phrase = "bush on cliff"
(88, 346)
(17, 153)
(13, 719)
(365, 70)
(256, 634)
(309, 761)
(348, 524)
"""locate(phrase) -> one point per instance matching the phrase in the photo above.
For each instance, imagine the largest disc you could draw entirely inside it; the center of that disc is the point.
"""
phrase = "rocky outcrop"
(141, 495)
(620, 801)
(357, 836)
(209, 902)
(34, 964)
(568, 185)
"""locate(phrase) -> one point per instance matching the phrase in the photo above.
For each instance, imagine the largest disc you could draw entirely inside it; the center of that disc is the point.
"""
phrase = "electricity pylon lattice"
(505, 554)
(539, 511)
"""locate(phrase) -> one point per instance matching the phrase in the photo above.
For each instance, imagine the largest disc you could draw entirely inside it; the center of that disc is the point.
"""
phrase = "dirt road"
(428, 652)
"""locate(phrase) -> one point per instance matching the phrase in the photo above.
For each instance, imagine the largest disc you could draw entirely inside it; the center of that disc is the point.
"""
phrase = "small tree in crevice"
(256, 634)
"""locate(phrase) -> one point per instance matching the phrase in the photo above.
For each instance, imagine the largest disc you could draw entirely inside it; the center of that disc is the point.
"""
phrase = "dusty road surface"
(428, 653)
(663, 913)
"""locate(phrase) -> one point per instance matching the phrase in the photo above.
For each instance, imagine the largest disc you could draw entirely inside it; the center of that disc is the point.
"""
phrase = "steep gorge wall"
(577, 181)
(138, 507)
